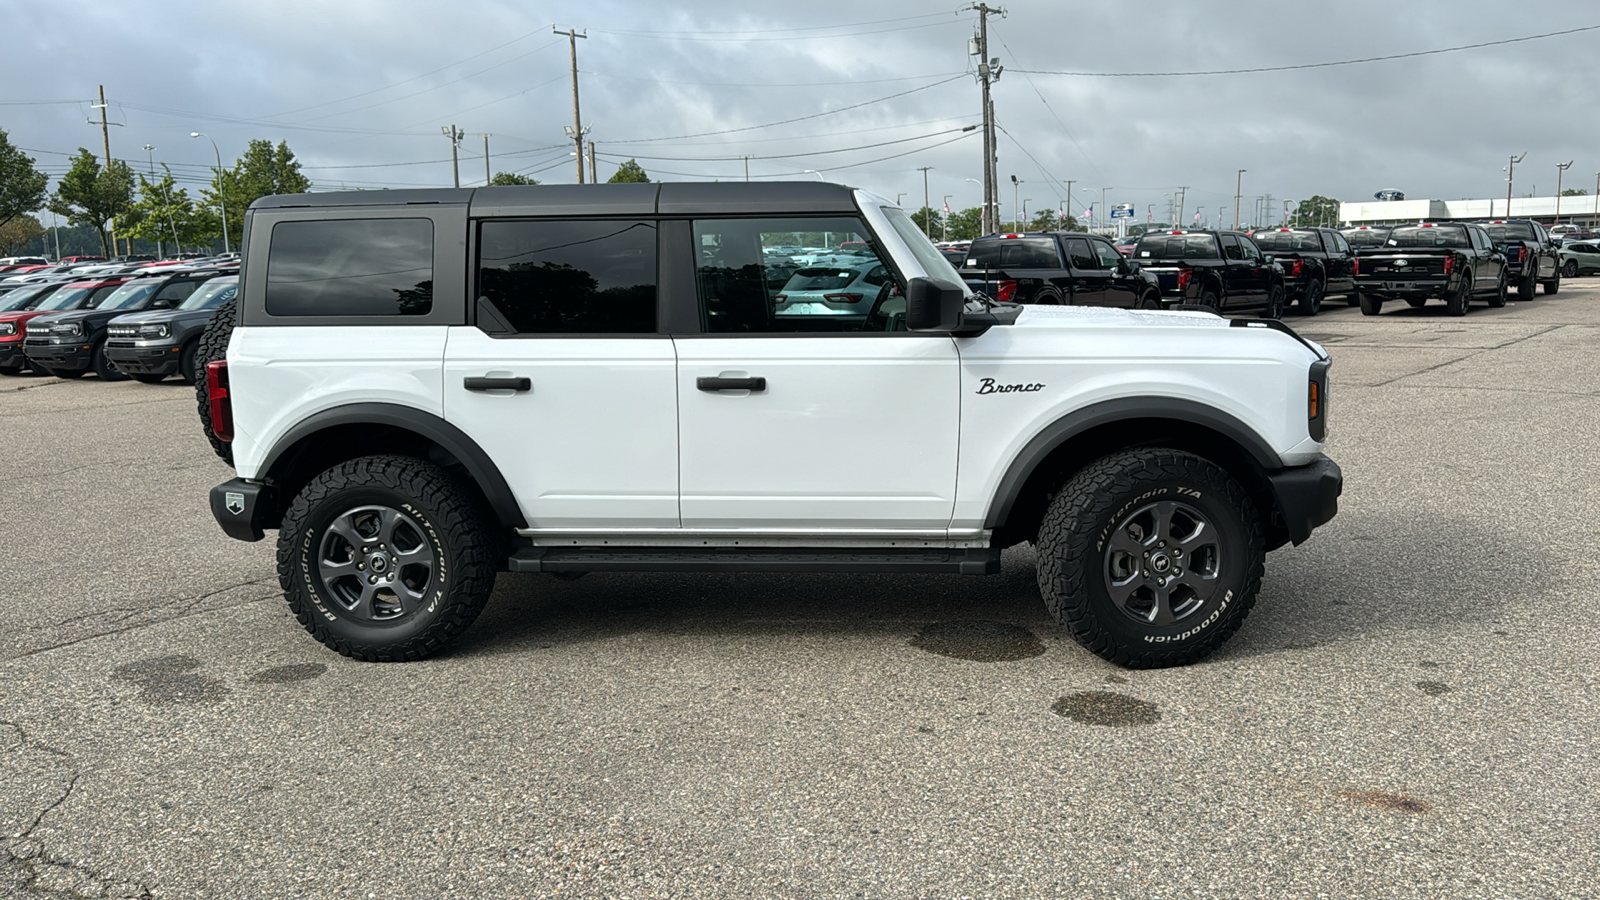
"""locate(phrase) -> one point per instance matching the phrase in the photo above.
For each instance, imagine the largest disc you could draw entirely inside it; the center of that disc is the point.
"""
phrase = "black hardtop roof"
(673, 198)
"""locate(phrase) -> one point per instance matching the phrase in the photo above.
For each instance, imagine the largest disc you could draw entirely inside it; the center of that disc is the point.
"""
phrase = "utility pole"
(1238, 189)
(577, 120)
(1183, 200)
(747, 167)
(105, 135)
(1069, 196)
(594, 170)
(1561, 169)
(1511, 171)
(1596, 199)
(455, 135)
(486, 176)
(988, 73)
(927, 226)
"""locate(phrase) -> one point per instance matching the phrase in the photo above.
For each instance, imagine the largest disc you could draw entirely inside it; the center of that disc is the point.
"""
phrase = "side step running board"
(985, 561)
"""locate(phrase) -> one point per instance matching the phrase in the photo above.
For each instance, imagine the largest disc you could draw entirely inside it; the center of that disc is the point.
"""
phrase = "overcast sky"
(356, 85)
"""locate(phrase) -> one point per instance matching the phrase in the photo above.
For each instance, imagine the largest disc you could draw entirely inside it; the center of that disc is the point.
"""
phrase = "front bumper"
(138, 357)
(11, 355)
(68, 355)
(241, 508)
(1307, 496)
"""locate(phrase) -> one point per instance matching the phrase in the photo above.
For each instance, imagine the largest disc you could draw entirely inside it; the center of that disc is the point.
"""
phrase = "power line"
(781, 30)
(766, 84)
(1321, 65)
(1097, 173)
(790, 121)
(918, 137)
(793, 37)
(836, 168)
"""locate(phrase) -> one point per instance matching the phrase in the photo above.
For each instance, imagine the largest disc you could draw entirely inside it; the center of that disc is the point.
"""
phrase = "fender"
(1106, 412)
(452, 439)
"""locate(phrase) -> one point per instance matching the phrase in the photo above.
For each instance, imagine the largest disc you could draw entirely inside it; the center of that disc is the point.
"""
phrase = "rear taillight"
(1355, 266)
(1184, 277)
(1516, 254)
(217, 395)
(1007, 291)
(842, 298)
(1295, 267)
(1449, 264)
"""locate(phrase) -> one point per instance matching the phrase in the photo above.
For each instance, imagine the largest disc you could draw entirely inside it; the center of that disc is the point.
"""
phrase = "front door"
(1091, 281)
(564, 381)
(818, 418)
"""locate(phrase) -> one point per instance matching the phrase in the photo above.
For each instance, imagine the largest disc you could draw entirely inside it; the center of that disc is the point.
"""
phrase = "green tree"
(1317, 210)
(18, 232)
(1574, 192)
(90, 195)
(262, 171)
(164, 213)
(23, 188)
(966, 224)
(505, 178)
(1045, 220)
(629, 172)
(929, 221)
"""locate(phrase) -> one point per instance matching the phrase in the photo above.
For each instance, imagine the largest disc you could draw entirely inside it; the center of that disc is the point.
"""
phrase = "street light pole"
(1016, 191)
(222, 189)
(1511, 171)
(1238, 191)
(1561, 169)
(1069, 194)
(927, 227)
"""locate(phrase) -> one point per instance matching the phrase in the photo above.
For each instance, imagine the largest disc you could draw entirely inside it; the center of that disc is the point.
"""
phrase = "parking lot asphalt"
(1410, 711)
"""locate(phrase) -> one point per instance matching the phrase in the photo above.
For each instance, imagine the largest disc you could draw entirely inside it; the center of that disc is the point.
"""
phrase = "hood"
(151, 316)
(21, 315)
(1113, 317)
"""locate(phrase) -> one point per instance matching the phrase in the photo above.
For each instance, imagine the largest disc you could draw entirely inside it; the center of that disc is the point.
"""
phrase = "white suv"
(424, 388)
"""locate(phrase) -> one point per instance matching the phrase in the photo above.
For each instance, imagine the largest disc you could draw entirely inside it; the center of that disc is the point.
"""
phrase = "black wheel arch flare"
(446, 444)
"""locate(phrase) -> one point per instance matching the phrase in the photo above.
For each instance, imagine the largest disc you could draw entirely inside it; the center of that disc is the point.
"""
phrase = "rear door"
(1091, 281)
(816, 426)
(1341, 278)
(1239, 276)
(565, 380)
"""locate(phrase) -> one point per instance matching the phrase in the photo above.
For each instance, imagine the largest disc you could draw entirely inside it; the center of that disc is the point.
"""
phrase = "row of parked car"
(116, 318)
(1273, 271)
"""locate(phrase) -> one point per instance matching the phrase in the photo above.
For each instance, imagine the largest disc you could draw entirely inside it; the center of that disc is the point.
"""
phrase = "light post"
(1238, 191)
(944, 219)
(1025, 219)
(222, 189)
(1103, 208)
(1561, 169)
(150, 157)
(1016, 191)
(816, 173)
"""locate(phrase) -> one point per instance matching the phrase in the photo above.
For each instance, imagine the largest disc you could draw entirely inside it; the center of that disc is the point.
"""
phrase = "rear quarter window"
(350, 267)
(1017, 253)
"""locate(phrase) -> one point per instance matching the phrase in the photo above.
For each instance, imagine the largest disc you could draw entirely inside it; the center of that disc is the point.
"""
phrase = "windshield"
(1510, 231)
(21, 298)
(1288, 240)
(128, 295)
(1429, 236)
(66, 298)
(932, 261)
(1366, 237)
(1177, 246)
(212, 293)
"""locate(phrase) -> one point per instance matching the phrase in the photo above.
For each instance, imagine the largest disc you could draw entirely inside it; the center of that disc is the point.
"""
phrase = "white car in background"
(833, 290)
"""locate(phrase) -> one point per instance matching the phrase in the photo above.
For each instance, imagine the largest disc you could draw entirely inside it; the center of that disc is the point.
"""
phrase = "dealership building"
(1572, 210)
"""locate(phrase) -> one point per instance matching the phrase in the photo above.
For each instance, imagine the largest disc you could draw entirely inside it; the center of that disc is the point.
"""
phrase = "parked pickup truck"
(1223, 271)
(1532, 255)
(1057, 269)
(1451, 261)
(1316, 263)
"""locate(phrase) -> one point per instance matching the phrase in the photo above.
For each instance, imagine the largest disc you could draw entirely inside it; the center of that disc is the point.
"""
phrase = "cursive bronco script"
(989, 387)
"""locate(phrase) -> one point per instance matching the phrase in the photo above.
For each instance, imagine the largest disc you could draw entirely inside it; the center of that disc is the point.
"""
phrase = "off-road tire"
(103, 366)
(213, 345)
(1074, 555)
(1525, 287)
(1553, 286)
(1370, 305)
(1570, 270)
(451, 523)
(12, 370)
(1457, 303)
(1310, 302)
(1497, 300)
(148, 377)
(1275, 304)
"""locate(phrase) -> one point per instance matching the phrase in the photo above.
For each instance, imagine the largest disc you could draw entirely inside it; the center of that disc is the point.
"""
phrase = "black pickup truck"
(1060, 269)
(1222, 271)
(1531, 254)
(1362, 238)
(1450, 261)
(1316, 264)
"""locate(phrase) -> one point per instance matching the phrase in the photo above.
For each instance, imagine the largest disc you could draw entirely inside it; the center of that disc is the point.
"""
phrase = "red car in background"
(19, 306)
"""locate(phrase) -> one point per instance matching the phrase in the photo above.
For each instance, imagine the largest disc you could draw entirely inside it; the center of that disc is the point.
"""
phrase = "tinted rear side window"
(570, 277)
(1021, 253)
(351, 267)
(1511, 231)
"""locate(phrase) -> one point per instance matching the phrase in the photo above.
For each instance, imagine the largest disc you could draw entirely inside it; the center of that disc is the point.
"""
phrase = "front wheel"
(104, 367)
(1209, 299)
(1501, 291)
(1150, 558)
(1310, 299)
(386, 558)
(1370, 305)
(1525, 287)
(1552, 286)
(1275, 304)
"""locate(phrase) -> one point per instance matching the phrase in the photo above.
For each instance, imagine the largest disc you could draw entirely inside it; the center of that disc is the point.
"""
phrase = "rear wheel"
(1456, 304)
(1047, 298)
(1151, 300)
(1525, 287)
(1209, 299)
(1370, 305)
(386, 558)
(1150, 557)
(1570, 270)
(1310, 299)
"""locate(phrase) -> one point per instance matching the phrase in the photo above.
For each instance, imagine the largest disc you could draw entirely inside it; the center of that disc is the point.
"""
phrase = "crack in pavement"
(36, 870)
(1473, 355)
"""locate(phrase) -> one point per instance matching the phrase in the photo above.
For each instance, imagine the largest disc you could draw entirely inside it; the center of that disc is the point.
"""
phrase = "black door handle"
(716, 383)
(485, 383)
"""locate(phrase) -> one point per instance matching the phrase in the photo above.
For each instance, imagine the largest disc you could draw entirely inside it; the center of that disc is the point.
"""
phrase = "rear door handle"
(486, 383)
(716, 383)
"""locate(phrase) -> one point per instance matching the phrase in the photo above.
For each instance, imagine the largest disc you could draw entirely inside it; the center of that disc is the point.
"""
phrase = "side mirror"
(161, 304)
(1266, 260)
(933, 305)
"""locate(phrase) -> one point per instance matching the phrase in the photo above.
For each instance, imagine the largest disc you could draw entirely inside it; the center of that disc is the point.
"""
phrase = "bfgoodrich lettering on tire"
(386, 558)
(1150, 558)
